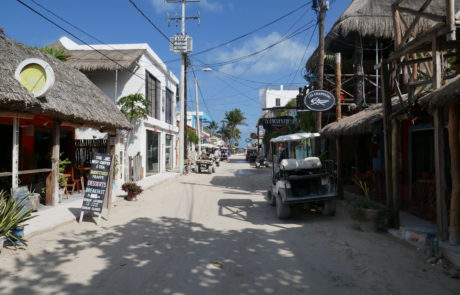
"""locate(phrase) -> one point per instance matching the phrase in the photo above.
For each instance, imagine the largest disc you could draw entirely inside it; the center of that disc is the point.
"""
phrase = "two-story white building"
(272, 98)
(123, 69)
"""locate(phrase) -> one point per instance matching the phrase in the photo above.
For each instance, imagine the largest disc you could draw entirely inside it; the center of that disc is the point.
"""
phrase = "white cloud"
(284, 56)
(161, 6)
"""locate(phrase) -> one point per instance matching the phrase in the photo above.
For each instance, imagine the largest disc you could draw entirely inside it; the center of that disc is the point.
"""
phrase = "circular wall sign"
(35, 75)
(319, 100)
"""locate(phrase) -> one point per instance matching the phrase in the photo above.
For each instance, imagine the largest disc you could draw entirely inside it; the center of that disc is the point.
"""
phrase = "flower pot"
(369, 222)
(131, 196)
(34, 201)
(19, 232)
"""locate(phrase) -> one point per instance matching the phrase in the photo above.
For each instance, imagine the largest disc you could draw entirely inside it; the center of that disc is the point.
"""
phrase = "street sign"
(319, 100)
(277, 122)
(181, 43)
(253, 135)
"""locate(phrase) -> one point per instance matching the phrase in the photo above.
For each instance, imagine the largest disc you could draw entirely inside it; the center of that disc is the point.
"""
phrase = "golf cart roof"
(294, 137)
(208, 145)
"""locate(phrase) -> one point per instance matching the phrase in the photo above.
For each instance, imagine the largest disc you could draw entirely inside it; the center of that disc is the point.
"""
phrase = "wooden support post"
(397, 27)
(55, 156)
(338, 140)
(440, 174)
(321, 53)
(450, 19)
(15, 154)
(110, 150)
(439, 144)
(395, 165)
(386, 99)
(454, 228)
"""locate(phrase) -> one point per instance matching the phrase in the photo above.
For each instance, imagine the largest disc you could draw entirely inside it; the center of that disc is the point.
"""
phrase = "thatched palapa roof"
(443, 96)
(91, 60)
(73, 98)
(359, 123)
(374, 19)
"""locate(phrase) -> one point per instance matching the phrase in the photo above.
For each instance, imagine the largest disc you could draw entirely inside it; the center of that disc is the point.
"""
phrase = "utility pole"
(320, 6)
(182, 44)
(198, 129)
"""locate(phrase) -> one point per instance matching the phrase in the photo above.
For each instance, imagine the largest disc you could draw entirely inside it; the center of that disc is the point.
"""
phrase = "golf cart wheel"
(218, 164)
(213, 169)
(271, 198)
(209, 169)
(283, 211)
(329, 208)
(196, 169)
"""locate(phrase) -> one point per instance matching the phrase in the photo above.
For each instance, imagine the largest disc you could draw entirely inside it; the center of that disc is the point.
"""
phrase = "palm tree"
(212, 127)
(233, 119)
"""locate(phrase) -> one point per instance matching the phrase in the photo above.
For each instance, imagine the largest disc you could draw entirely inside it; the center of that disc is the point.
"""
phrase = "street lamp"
(197, 110)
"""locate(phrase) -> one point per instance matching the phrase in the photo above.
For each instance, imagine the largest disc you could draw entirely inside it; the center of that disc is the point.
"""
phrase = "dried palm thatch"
(73, 98)
(443, 96)
(359, 123)
(363, 121)
(91, 60)
(374, 19)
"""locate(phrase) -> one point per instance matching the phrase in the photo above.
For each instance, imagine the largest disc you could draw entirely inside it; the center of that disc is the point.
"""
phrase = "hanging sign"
(97, 185)
(277, 122)
(319, 100)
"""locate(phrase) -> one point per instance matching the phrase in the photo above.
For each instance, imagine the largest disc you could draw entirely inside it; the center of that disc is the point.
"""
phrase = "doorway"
(152, 157)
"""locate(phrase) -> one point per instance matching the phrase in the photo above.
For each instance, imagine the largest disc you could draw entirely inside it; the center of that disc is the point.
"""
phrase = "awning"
(295, 137)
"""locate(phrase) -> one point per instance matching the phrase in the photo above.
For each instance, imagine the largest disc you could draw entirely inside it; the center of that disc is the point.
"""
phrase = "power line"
(149, 20)
(201, 93)
(75, 36)
(246, 34)
(238, 59)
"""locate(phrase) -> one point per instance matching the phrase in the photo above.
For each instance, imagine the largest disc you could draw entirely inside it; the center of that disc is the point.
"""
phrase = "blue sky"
(226, 87)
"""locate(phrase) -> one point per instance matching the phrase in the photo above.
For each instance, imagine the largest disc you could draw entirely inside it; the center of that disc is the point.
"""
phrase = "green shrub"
(12, 214)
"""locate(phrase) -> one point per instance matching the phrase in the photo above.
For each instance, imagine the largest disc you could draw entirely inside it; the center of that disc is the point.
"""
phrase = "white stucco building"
(270, 98)
(123, 69)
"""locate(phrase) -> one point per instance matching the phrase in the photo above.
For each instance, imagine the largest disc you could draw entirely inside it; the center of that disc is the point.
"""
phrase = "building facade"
(126, 69)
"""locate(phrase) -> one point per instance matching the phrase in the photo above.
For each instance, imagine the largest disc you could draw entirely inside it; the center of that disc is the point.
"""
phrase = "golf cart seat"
(300, 164)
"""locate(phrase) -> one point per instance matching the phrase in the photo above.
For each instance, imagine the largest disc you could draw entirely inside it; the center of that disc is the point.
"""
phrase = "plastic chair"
(73, 182)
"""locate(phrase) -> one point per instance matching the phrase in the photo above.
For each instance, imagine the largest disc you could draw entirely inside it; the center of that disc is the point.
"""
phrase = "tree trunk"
(454, 228)
(358, 71)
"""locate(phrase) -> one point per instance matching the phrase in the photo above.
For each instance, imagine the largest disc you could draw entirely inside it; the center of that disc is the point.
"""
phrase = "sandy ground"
(214, 234)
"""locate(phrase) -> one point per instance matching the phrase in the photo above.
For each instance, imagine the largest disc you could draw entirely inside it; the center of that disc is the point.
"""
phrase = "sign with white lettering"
(277, 122)
(319, 100)
(98, 179)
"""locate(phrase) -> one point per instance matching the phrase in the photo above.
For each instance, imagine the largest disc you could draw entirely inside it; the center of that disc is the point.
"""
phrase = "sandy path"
(214, 234)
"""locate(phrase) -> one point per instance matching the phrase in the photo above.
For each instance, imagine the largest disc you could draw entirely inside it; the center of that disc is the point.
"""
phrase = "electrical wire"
(75, 36)
(149, 20)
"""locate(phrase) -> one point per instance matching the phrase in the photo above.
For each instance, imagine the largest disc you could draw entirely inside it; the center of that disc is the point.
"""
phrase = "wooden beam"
(432, 16)
(15, 154)
(440, 174)
(438, 122)
(386, 99)
(450, 19)
(414, 22)
(454, 228)
(338, 140)
(55, 156)
(8, 114)
(395, 165)
(412, 46)
(397, 26)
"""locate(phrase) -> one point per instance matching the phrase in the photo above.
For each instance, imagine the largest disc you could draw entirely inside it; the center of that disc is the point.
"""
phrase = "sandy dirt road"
(214, 234)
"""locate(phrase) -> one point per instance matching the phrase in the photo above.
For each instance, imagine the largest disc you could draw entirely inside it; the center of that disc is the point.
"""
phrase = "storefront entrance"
(152, 158)
(168, 152)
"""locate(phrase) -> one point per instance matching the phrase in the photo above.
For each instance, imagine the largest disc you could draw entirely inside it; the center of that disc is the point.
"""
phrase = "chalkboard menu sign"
(97, 183)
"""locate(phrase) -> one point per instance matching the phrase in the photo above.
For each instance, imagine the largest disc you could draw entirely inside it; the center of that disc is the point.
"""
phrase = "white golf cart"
(206, 159)
(299, 177)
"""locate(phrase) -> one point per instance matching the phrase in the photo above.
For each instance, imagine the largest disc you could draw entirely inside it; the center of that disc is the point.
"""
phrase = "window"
(278, 102)
(153, 94)
(168, 106)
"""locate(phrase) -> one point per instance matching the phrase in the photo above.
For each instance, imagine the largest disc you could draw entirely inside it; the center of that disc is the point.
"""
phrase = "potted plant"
(371, 216)
(12, 219)
(62, 178)
(132, 189)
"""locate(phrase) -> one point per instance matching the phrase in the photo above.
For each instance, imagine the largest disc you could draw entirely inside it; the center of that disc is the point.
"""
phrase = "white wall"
(268, 96)
(129, 83)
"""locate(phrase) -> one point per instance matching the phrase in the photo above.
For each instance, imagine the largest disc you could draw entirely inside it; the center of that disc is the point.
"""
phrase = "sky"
(228, 85)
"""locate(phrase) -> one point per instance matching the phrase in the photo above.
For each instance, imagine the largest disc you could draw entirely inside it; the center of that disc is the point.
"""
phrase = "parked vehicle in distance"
(261, 161)
(223, 154)
(299, 177)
